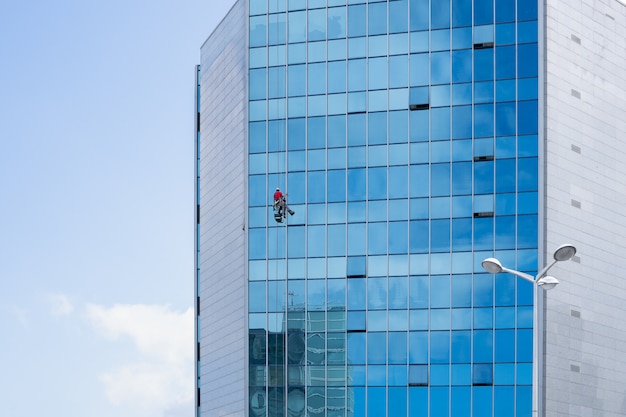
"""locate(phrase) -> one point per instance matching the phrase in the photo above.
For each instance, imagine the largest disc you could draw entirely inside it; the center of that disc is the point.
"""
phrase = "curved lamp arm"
(545, 269)
(519, 274)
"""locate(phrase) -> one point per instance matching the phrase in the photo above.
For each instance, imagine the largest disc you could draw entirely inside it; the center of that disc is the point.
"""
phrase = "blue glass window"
(440, 14)
(276, 295)
(483, 120)
(504, 401)
(419, 65)
(336, 185)
(440, 123)
(527, 117)
(483, 12)
(316, 51)
(257, 137)
(377, 68)
(527, 58)
(461, 122)
(377, 180)
(483, 64)
(527, 31)
(376, 401)
(297, 27)
(336, 292)
(527, 231)
(505, 175)
(461, 347)
(356, 21)
(440, 67)
(336, 132)
(526, 11)
(462, 234)
(420, 179)
(440, 236)
(337, 49)
(316, 132)
(483, 233)
(505, 346)
(440, 179)
(419, 236)
(505, 62)
(337, 77)
(336, 22)
(297, 187)
(276, 135)
(377, 348)
(377, 128)
(277, 29)
(440, 347)
(297, 80)
(440, 96)
(398, 238)
(505, 11)
(505, 90)
(257, 84)
(483, 177)
(356, 129)
(276, 82)
(398, 185)
(398, 71)
(461, 178)
(398, 16)
(398, 130)
(297, 135)
(527, 174)
(297, 53)
(377, 242)
(461, 290)
(258, 31)
(377, 24)
(440, 40)
(356, 239)
(483, 346)
(257, 195)
(461, 13)
(317, 78)
(296, 242)
(505, 234)
(356, 348)
(317, 25)
(462, 66)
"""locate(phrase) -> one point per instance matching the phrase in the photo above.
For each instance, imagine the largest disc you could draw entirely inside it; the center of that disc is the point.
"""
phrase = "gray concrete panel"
(222, 218)
(585, 350)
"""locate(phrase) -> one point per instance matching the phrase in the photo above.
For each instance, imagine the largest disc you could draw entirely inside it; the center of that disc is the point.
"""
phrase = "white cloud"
(60, 305)
(162, 380)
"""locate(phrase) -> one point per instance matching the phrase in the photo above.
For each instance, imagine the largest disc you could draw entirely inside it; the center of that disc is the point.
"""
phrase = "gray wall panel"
(586, 205)
(223, 207)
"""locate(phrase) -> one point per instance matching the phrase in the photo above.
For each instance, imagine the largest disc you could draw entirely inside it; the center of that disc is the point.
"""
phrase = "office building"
(415, 138)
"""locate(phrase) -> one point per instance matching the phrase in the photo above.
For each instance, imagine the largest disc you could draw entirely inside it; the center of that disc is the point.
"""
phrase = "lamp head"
(547, 282)
(564, 252)
(492, 265)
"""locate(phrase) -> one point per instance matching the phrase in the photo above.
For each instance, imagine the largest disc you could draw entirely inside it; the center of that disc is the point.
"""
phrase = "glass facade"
(406, 135)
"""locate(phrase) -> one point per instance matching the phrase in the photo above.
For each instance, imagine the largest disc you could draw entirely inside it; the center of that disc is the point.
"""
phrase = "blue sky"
(96, 205)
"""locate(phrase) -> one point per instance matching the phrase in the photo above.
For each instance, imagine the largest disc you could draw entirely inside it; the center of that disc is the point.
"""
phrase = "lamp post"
(546, 282)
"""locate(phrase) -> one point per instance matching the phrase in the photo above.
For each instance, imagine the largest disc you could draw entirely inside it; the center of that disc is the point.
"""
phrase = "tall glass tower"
(409, 136)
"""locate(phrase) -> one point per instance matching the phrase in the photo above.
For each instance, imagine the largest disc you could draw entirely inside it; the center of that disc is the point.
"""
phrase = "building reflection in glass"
(298, 365)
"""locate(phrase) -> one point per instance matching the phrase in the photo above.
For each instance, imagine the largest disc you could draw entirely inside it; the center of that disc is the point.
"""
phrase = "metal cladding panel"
(586, 206)
(222, 333)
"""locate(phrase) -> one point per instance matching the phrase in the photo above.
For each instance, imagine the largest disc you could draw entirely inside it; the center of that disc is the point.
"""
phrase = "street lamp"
(546, 282)
(562, 253)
